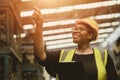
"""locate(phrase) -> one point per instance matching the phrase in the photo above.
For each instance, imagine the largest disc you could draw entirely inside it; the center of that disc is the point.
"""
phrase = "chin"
(74, 41)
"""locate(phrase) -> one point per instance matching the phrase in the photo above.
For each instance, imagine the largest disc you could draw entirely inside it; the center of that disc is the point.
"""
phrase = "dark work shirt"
(88, 72)
(90, 69)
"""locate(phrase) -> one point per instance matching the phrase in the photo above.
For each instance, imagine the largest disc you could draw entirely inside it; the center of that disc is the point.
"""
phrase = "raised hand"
(37, 16)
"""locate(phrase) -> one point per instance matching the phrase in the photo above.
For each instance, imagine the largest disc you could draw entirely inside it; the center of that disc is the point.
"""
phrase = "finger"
(34, 17)
(37, 10)
(36, 14)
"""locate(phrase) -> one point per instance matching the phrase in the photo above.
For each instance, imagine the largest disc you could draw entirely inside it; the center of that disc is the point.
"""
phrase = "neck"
(84, 49)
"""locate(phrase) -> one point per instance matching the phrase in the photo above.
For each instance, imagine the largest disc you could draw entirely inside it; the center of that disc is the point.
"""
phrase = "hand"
(37, 16)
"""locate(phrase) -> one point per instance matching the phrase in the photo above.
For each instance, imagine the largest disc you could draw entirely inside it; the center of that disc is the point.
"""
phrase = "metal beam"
(75, 14)
(42, 4)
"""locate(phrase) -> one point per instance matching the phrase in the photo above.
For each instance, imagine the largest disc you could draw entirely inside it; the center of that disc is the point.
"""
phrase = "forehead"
(82, 25)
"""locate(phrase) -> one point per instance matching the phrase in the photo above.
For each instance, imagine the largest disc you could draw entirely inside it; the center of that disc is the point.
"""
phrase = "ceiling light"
(26, 0)
(64, 9)
(71, 44)
(61, 22)
(97, 41)
(57, 37)
(108, 16)
(107, 30)
(103, 35)
(115, 23)
(56, 31)
(29, 26)
(61, 46)
(48, 11)
(59, 41)
(105, 24)
(22, 35)
(14, 36)
(26, 13)
(54, 23)
(71, 8)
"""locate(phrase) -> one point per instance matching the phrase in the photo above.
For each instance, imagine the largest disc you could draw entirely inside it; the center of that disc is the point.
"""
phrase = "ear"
(90, 36)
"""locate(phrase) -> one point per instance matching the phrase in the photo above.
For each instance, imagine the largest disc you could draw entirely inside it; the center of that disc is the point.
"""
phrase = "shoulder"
(53, 52)
(53, 55)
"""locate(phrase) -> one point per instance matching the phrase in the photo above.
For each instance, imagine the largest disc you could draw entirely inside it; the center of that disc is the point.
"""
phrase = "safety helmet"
(92, 24)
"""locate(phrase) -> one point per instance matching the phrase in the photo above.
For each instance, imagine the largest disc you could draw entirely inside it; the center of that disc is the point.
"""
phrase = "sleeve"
(51, 62)
(111, 71)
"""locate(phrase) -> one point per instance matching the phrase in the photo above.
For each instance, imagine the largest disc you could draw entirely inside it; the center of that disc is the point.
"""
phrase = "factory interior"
(17, 59)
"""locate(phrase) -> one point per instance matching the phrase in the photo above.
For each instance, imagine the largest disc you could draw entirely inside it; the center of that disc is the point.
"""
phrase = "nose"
(75, 29)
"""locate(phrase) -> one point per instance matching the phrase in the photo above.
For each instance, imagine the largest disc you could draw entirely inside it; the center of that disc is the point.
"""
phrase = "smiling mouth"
(75, 37)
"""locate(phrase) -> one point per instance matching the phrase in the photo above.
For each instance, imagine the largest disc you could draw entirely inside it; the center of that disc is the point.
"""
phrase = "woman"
(86, 61)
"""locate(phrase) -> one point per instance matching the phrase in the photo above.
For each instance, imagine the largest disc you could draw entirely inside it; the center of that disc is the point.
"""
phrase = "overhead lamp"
(71, 8)
(14, 36)
(28, 26)
(57, 37)
(26, 13)
(56, 31)
(22, 35)
(53, 23)
(64, 9)
(61, 22)
(105, 24)
(61, 45)
(108, 16)
(107, 30)
(71, 44)
(48, 11)
(59, 41)
(115, 23)
(109, 24)
(97, 41)
(103, 35)
(72, 21)
(26, 0)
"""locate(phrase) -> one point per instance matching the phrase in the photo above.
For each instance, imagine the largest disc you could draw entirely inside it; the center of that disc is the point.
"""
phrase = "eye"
(81, 28)
(73, 28)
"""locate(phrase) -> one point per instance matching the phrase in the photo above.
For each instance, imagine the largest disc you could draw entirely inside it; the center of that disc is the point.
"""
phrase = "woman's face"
(81, 34)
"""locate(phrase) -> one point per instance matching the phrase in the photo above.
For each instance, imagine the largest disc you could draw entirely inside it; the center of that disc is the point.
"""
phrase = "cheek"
(84, 36)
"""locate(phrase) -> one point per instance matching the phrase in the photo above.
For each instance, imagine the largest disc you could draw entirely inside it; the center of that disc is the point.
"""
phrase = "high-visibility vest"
(67, 57)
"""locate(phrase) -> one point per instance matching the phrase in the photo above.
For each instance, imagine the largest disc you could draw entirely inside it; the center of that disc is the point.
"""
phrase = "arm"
(111, 71)
(38, 35)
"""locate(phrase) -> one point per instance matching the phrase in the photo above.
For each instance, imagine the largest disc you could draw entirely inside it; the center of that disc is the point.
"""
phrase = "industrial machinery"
(10, 40)
(30, 72)
(5, 67)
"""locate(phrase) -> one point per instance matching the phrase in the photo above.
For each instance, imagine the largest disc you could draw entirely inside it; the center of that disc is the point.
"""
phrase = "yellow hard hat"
(92, 24)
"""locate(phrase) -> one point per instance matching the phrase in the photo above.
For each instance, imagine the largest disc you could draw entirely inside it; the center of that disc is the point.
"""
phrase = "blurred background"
(17, 60)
